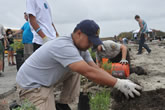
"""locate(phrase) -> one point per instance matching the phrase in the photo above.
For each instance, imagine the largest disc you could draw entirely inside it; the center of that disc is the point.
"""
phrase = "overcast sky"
(113, 16)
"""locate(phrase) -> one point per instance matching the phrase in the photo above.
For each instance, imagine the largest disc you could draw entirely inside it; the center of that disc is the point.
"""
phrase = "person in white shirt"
(41, 22)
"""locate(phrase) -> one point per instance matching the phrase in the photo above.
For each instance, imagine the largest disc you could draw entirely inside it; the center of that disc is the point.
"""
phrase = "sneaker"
(138, 53)
(60, 106)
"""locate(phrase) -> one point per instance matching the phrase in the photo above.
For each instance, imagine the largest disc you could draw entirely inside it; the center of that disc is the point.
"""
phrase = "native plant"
(17, 45)
(93, 54)
(100, 100)
(26, 106)
(107, 66)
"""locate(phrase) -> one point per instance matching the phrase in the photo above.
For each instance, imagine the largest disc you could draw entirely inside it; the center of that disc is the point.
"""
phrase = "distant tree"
(160, 33)
(127, 35)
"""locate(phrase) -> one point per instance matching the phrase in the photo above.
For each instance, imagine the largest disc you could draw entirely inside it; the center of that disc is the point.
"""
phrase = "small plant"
(26, 106)
(93, 54)
(17, 45)
(107, 66)
(100, 101)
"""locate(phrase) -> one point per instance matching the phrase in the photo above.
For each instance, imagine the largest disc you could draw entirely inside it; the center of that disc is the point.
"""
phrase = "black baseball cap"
(91, 29)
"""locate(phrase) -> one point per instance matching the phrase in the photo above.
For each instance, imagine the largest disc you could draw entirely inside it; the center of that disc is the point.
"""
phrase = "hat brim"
(95, 40)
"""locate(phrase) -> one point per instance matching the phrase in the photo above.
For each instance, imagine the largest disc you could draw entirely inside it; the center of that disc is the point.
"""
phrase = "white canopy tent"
(136, 31)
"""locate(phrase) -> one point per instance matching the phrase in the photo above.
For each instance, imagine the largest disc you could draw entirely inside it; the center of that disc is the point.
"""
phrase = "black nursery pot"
(19, 58)
(83, 101)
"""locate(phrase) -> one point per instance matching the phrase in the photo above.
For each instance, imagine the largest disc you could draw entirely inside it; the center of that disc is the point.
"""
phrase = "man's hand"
(46, 39)
(124, 61)
(128, 87)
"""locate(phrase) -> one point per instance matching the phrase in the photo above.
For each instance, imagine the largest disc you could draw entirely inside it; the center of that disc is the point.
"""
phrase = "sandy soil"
(153, 93)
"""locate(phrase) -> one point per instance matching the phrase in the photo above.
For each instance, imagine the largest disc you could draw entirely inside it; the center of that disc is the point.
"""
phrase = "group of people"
(6, 40)
(7, 43)
(63, 59)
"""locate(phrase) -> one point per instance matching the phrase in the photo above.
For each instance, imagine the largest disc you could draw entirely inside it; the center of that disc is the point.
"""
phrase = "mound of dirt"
(153, 81)
(149, 100)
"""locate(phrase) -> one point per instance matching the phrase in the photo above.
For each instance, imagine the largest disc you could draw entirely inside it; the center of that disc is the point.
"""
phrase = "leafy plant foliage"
(100, 101)
(26, 106)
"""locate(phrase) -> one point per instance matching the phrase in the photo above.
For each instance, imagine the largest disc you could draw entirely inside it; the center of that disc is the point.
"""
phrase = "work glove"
(128, 87)
(124, 61)
(45, 39)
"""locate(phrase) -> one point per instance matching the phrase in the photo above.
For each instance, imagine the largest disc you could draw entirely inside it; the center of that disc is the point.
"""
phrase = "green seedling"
(100, 100)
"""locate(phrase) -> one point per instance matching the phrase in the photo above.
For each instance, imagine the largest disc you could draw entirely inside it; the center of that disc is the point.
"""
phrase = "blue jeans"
(142, 44)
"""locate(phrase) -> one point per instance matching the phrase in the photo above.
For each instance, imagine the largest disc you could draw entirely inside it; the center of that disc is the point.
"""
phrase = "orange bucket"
(117, 69)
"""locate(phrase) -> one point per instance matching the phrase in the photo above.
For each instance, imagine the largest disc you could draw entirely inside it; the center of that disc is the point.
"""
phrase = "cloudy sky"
(113, 16)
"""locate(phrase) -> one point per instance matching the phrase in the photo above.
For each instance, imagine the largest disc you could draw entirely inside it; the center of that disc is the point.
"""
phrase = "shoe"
(60, 106)
(138, 53)
(9, 64)
(149, 51)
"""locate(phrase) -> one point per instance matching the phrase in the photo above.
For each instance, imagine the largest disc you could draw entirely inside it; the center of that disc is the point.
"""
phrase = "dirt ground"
(153, 83)
(149, 100)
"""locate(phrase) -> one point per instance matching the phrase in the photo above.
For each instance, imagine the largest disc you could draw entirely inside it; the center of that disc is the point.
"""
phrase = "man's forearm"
(55, 30)
(54, 27)
(35, 26)
(97, 75)
(101, 77)
(124, 52)
(17, 32)
(91, 63)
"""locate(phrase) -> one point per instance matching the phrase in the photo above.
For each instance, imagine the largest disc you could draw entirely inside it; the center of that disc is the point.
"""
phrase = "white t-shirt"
(112, 49)
(41, 10)
(49, 64)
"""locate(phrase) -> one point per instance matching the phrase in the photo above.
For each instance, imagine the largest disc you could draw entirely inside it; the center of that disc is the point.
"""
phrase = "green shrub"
(17, 45)
(100, 101)
(26, 106)
(107, 66)
(93, 54)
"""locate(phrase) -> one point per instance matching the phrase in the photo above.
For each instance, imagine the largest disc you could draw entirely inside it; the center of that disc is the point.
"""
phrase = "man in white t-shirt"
(41, 22)
(54, 62)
